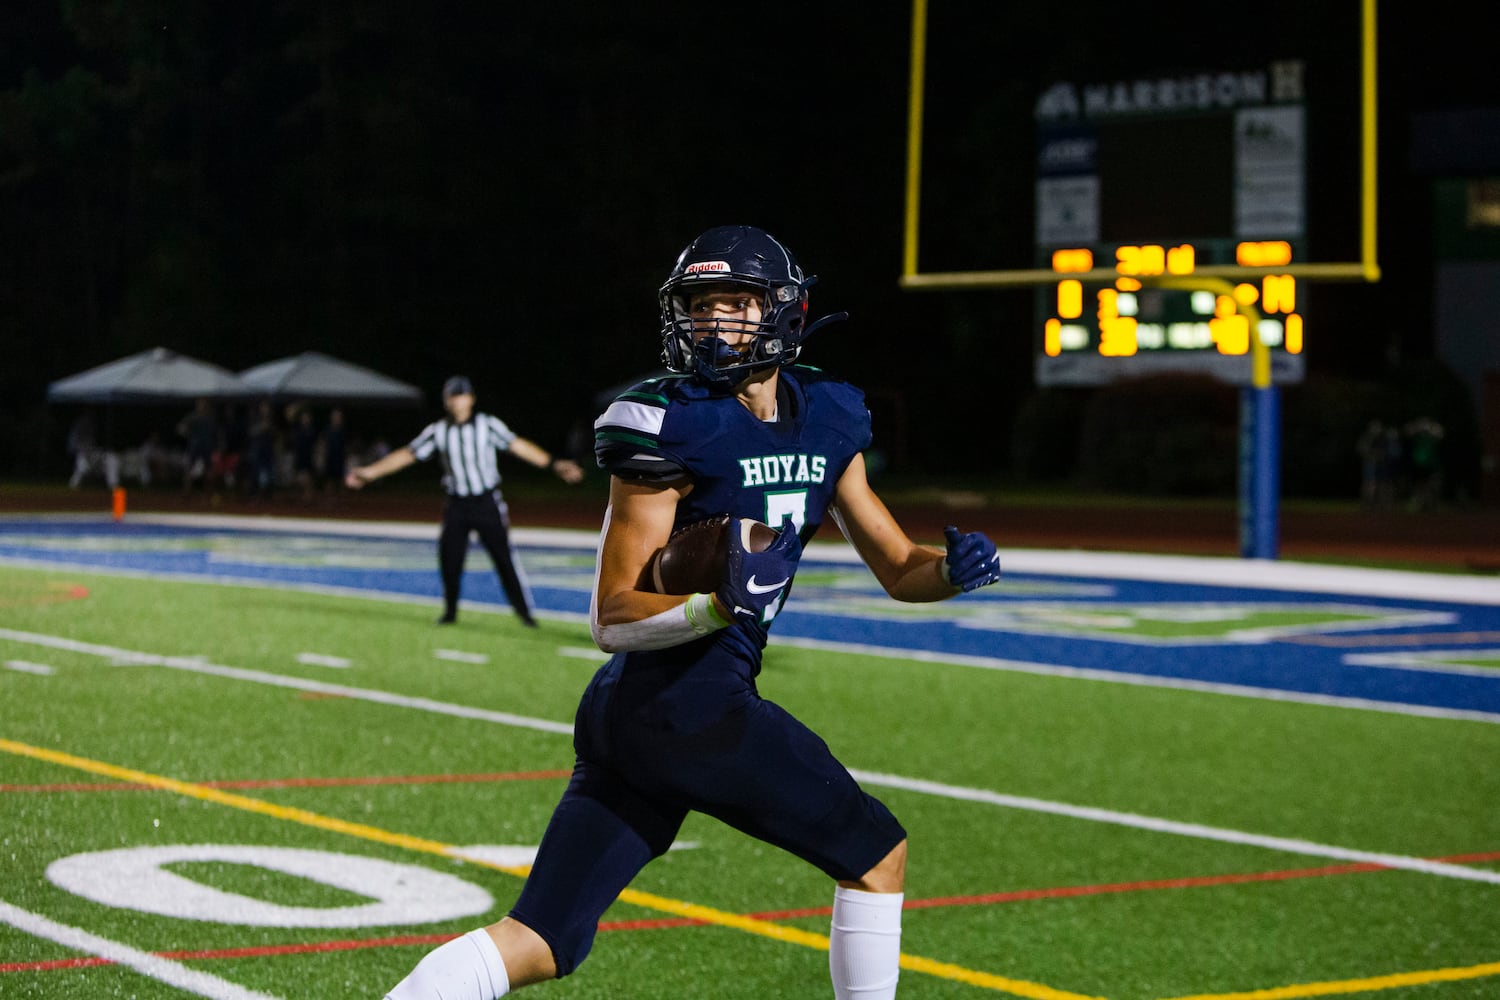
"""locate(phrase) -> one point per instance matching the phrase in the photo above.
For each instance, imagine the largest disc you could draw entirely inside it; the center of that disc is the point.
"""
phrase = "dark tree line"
(488, 188)
(498, 189)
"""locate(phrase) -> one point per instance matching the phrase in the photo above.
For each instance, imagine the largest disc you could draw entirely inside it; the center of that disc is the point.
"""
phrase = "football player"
(673, 721)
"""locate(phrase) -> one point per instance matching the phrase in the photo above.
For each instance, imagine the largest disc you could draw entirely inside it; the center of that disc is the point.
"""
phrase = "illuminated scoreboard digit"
(1160, 313)
(1166, 207)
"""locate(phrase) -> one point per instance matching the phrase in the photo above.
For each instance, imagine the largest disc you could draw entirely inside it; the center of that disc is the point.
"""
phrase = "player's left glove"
(972, 560)
(755, 582)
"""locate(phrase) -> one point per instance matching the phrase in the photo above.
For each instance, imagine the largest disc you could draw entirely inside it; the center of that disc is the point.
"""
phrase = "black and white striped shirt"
(468, 452)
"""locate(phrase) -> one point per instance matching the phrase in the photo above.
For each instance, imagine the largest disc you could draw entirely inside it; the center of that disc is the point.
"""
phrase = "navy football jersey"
(675, 428)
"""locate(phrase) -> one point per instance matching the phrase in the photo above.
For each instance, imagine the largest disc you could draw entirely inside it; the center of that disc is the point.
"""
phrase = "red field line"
(393, 779)
(986, 899)
(1025, 895)
(1062, 892)
(59, 593)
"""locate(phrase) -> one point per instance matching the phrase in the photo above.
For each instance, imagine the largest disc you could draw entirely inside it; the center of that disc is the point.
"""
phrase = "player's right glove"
(755, 582)
(972, 560)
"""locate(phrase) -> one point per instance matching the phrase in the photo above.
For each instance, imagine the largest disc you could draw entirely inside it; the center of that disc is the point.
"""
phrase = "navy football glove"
(754, 582)
(971, 561)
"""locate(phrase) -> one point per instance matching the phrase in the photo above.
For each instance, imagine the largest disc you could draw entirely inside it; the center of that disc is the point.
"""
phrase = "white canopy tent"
(157, 375)
(314, 376)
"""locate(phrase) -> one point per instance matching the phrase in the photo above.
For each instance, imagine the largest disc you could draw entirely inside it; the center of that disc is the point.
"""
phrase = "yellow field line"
(646, 900)
(230, 799)
(1391, 982)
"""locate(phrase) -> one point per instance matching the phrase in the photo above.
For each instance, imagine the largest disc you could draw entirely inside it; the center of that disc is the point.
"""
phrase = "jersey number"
(792, 503)
(780, 506)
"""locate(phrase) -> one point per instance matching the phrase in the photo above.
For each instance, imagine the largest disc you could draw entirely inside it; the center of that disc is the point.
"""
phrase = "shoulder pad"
(628, 434)
(830, 393)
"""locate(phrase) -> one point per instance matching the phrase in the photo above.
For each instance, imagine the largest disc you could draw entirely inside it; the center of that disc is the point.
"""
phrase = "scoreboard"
(1188, 178)
(1169, 212)
(1149, 309)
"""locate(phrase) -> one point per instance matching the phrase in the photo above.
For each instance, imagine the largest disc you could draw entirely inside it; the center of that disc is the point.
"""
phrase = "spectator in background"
(88, 456)
(200, 430)
(305, 453)
(378, 449)
(260, 452)
(1375, 473)
(335, 451)
(230, 451)
(152, 460)
(1424, 438)
(82, 444)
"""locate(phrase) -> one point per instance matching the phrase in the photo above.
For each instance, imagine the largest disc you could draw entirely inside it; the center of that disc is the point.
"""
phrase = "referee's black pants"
(486, 516)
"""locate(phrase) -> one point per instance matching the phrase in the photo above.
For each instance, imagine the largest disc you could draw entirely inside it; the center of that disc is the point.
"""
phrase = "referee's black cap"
(458, 385)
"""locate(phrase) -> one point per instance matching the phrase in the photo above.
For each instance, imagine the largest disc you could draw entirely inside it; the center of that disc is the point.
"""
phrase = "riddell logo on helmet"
(708, 267)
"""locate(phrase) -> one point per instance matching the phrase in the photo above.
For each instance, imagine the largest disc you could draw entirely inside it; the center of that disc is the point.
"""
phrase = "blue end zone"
(1401, 641)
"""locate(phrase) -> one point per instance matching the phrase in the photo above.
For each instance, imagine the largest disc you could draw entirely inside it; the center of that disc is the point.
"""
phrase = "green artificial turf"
(203, 684)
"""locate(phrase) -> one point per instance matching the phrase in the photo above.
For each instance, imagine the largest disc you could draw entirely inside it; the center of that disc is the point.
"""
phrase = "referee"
(467, 441)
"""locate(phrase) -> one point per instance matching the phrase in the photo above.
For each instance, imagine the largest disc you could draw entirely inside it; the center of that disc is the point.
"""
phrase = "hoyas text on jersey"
(772, 470)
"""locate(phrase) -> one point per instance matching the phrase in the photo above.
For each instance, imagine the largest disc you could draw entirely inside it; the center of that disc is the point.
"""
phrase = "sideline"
(1218, 571)
(1310, 672)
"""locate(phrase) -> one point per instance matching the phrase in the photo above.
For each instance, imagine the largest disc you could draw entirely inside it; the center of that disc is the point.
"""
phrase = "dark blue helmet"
(734, 258)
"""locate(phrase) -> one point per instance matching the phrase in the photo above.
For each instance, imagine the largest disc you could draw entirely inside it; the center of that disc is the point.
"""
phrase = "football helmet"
(735, 257)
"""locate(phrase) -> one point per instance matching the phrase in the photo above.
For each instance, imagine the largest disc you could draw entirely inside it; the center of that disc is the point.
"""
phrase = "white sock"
(466, 968)
(864, 951)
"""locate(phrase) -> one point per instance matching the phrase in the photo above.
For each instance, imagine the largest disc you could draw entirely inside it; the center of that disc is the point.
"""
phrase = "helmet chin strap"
(713, 354)
(824, 321)
(710, 354)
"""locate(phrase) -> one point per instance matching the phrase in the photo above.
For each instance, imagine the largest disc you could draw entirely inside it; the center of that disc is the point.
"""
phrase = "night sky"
(499, 189)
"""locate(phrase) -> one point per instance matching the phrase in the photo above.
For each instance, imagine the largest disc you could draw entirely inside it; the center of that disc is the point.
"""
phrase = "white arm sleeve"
(671, 627)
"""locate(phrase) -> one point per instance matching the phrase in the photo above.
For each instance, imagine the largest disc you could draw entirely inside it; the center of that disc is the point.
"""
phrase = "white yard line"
(1437, 661)
(459, 656)
(1141, 680)
(1132, 820)
(27, 667)
(324, 660)
(152, 966)
(1196, 830)
(198, 666)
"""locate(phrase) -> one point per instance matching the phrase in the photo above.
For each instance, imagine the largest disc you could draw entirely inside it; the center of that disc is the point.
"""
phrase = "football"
(695, 558)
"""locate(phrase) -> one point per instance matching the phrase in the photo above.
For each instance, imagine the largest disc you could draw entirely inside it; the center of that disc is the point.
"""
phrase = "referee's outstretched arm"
(532, 453)
(393, 462)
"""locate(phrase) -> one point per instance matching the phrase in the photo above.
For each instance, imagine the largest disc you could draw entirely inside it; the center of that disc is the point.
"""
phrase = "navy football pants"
(657, 735)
